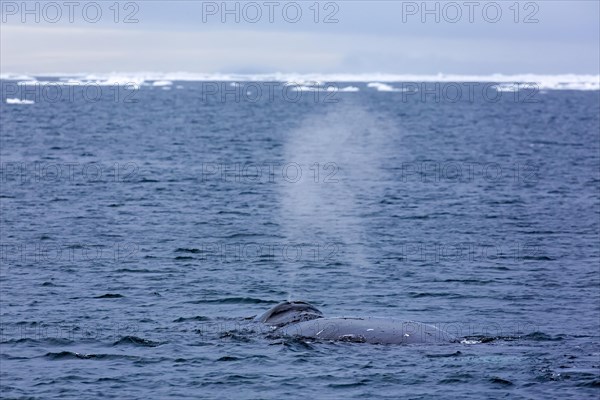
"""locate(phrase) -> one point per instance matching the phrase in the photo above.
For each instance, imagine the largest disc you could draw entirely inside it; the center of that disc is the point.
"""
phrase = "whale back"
(368, 330)
(289, 312)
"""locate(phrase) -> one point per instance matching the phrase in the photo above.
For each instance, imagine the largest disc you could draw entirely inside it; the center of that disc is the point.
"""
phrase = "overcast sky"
(543, 37)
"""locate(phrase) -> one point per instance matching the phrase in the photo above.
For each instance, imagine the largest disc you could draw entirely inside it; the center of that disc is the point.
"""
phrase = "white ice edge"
(377, 81)
(19, 101)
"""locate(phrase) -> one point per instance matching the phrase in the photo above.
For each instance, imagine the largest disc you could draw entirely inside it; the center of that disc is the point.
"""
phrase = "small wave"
(469, 281)
(542, 337)
(500, 381)
(243, 235)
(235, 336)
(535, 336)
(134, 340)
(538, 258)
(69, 355)
(595, 383)
(135, 271)
(186, 250)
(52, 341)
(476, 339)
(228, 358)
(233, 212)
(444, 355)
(410, 217)
(457, 378)
(5, 356)
(423, 294)
(109, 296)
(196, 318)
(362, 382)
(236, 300)
(293, 343)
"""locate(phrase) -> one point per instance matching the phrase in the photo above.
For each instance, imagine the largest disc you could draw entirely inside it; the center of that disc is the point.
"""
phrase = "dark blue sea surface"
(138, 237)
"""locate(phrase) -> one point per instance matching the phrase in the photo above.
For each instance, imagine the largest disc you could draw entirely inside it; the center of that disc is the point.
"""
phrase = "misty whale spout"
(301, 319)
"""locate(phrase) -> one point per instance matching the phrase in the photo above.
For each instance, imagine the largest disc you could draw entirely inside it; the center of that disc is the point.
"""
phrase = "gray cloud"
(366, 40)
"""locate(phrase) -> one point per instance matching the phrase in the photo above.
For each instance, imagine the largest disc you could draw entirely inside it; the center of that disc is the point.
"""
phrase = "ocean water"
(142, 227)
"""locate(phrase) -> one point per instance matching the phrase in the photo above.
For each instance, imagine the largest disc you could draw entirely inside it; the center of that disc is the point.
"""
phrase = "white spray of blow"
(341, 154)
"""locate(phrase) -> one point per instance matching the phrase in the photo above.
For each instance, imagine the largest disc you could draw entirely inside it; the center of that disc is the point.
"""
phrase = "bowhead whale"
(301, 319)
